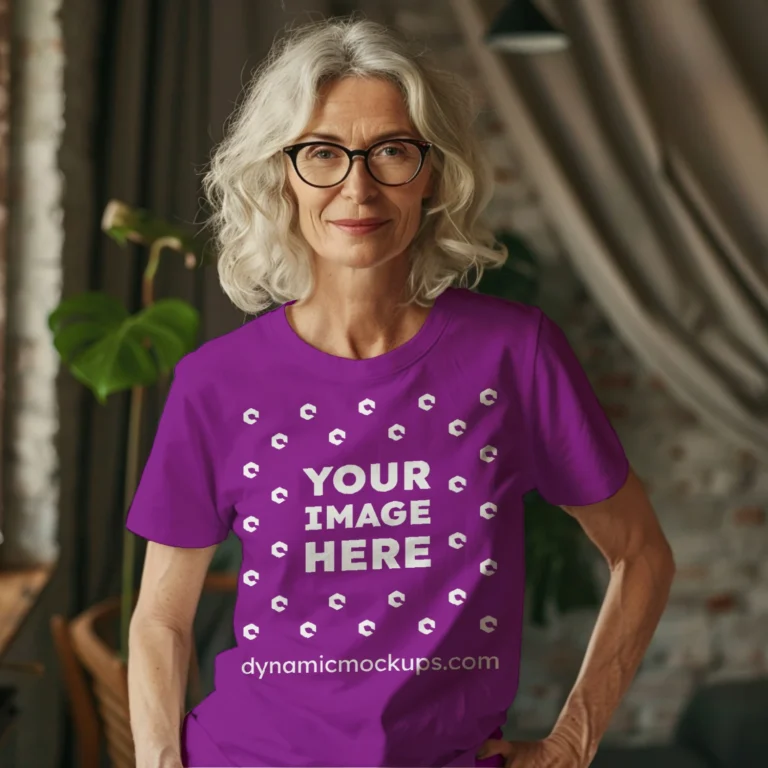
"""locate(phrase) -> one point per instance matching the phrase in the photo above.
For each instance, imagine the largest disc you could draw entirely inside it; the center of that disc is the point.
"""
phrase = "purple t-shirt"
(379, 506)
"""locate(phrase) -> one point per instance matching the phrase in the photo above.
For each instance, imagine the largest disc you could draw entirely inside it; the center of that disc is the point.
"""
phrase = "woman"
(370, 441)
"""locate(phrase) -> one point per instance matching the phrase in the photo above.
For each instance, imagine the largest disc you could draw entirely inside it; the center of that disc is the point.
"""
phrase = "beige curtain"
(648, 141)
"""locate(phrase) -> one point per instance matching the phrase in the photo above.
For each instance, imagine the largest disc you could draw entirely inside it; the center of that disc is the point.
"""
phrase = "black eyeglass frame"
(294, 149)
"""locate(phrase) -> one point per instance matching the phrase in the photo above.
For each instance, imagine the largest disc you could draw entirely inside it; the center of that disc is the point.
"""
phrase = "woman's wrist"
(163, 757)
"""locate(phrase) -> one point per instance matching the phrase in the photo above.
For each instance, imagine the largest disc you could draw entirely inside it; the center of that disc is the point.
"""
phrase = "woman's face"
(357, 112)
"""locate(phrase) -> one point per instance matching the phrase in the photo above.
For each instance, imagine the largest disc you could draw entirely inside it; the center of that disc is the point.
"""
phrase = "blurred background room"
(630, 146)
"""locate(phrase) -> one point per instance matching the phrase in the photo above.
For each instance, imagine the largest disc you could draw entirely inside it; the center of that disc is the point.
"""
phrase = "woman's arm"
(159, 650)
(626, 530)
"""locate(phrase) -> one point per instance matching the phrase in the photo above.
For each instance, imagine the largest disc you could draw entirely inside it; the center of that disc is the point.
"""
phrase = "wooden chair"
(84, 717)
(86, 647)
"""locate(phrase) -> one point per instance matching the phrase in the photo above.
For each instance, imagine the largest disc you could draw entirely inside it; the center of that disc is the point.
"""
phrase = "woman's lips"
(359, 230)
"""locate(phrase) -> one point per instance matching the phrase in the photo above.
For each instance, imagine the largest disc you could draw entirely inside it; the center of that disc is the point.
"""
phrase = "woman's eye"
(322, 153)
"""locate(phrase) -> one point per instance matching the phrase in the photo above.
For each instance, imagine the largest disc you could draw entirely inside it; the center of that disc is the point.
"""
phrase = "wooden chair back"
(83, 711)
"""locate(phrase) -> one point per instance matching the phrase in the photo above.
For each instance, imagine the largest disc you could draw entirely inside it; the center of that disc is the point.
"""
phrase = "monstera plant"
(110, 349)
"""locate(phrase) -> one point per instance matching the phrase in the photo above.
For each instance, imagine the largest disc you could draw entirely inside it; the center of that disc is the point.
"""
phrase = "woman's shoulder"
(232, 354)
(489, 313)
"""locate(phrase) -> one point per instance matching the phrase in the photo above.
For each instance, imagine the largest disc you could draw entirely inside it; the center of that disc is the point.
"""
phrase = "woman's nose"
(359, 182)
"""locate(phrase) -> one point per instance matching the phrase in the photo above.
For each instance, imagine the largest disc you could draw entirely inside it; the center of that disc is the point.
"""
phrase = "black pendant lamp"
(521, 28)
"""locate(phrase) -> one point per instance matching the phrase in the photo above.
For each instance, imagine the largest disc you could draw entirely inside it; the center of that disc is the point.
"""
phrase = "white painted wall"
(36, 238)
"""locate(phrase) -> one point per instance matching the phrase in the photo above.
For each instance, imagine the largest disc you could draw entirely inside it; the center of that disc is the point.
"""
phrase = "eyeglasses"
(392, 162)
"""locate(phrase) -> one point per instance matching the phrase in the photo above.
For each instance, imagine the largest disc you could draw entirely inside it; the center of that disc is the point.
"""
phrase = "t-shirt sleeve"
(176, 501)
(576, 457)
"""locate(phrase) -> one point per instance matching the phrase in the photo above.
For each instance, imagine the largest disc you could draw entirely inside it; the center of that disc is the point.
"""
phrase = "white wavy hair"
(263, 258)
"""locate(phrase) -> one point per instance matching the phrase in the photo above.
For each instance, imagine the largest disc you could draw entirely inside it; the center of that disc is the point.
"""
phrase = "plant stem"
(133, 451)
(147, 283)
(129, 541)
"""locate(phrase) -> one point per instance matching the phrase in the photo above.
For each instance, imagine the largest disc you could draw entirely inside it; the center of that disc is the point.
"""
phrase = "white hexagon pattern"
(308, 629)
(457, 427)
(366, 407)
(427, 626)
(308, 411)
(457, 596)
(251, 578)
(488, 453)
(279, 603)
(250, 631)
(395, 599)
(251, 523)
(488, 510)
(366, 627)
(279, 548)
(426, 402)
(251, 416)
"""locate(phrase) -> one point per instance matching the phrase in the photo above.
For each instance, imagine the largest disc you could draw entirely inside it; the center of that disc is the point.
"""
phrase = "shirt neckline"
(325, 364)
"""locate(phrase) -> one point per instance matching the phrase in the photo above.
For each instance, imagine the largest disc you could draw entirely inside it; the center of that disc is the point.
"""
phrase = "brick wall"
(710, 496)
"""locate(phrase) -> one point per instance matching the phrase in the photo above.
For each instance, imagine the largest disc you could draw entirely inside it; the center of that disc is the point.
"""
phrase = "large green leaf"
(108, 350)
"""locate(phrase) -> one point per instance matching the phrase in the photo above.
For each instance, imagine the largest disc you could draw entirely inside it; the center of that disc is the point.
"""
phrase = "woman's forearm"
(157, 674)
(635, 600)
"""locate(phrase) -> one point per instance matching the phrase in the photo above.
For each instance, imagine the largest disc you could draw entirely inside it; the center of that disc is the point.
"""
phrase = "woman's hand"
(545, 753)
